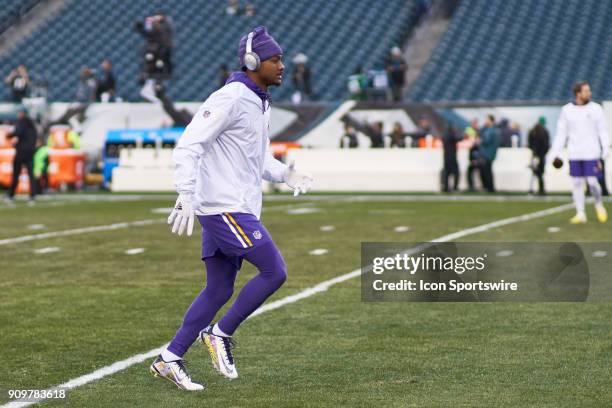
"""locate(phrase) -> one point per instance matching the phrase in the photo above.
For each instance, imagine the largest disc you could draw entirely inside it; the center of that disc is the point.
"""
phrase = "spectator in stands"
(372, 130)
(223, 74)
(233, 8)
(165, 39)
(397, 136)
(378, 85)
(396, 68)
(85, 95)
(357, 84)
(86, 90)
(158, 33)
(451, 167)
(106, 86)
(250, 10)
(301, 79)
(18, 80)
(375, 134)
(488, 150)
(349, 139)
(26, 134)
(424, 129)
(539, 143)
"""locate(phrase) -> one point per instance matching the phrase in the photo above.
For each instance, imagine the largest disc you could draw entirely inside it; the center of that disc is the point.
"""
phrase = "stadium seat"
(336, 36)
(496, 50)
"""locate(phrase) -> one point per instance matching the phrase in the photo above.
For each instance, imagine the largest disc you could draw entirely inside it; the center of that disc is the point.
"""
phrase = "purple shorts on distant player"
(234, 234)
(584, 168)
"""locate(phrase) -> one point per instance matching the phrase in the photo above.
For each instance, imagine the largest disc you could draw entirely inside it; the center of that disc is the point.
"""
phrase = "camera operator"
(157, 31)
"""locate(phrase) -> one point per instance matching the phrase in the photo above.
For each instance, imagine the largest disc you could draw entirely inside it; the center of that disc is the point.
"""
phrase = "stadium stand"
(499, 50)
(336, 36)
(12, 10)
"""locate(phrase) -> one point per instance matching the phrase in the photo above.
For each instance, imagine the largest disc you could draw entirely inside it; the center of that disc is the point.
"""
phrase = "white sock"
(578, 194)
(218, 332)
(168, 356)
(595, 189)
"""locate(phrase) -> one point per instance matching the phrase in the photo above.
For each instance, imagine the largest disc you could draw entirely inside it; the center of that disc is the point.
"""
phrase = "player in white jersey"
(220, 161)
(582, 127)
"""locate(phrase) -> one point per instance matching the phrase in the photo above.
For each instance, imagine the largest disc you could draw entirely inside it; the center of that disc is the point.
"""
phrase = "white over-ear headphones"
(251, 59)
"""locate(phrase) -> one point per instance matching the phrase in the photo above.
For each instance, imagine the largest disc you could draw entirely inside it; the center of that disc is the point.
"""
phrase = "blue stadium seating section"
(10, 10)
(520, 50)
(337, 36)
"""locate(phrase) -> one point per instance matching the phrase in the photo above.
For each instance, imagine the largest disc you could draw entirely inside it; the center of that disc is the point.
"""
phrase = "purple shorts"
(584, 168)
(233, 234)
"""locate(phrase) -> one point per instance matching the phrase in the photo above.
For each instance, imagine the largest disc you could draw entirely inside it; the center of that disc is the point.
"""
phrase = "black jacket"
(375, 135)
(539, 140)
(25, 130)
(449, 144)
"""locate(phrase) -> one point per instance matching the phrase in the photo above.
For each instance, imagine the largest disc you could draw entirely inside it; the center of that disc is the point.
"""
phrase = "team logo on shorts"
(206, 113)
(257, 234)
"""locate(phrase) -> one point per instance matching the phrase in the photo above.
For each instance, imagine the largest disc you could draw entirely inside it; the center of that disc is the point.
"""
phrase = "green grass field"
(67, 313)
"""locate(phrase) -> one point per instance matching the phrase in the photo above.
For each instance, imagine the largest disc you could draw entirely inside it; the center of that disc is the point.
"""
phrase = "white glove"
(183, 215)
(298, 181)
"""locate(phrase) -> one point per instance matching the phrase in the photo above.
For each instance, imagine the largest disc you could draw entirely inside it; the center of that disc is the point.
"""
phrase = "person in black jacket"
(106, 85)
(349, 139)
(157, 31)
(539, 143)
(372, 130)
(26, 134)
(451, 167)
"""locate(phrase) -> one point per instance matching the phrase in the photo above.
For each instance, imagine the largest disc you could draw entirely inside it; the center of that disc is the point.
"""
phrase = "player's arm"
(604, 136)
(274, 170)
(213, 117)
(560, 140)
(278, 172)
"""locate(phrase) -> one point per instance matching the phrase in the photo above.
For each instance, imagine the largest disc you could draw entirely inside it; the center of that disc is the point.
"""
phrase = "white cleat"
(220, 350)
(175, 372)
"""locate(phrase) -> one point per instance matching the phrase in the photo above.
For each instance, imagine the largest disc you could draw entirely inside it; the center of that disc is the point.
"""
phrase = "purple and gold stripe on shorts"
(237, 230)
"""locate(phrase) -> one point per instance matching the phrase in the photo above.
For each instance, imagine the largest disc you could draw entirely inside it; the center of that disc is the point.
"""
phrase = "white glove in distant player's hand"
(183, 215)
(298, 181)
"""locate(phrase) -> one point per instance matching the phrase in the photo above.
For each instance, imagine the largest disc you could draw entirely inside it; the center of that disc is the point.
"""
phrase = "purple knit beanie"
(263, 45)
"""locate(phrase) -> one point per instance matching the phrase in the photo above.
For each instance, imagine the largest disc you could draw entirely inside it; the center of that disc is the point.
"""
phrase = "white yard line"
(110, 227)
(321, 287)
(408, 197)
(47, 250)
(59, 199)
(78, 231)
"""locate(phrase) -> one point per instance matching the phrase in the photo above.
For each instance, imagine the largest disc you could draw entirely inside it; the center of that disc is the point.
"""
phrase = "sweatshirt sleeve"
(560, 135)
(604, 136)
(274, 170)
(212, 118)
